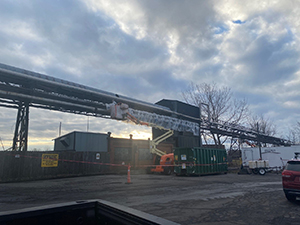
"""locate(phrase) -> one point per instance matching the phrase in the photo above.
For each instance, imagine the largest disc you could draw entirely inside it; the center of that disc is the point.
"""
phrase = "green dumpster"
(199, 161)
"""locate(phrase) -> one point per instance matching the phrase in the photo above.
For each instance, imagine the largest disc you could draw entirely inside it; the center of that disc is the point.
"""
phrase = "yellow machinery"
(156, 141)
(120, 111)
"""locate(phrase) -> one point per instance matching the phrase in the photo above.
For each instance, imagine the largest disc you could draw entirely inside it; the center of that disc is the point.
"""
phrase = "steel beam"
(21, 128)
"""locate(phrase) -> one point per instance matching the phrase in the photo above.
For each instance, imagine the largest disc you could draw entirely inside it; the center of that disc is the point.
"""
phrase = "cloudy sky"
(150, 50)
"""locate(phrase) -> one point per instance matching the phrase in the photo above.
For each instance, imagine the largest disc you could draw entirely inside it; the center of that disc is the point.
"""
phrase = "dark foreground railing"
(90, 212)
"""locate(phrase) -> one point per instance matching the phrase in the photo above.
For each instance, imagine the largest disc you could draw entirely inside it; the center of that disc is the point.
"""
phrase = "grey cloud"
(208, 73)
(87, 47)
(183, 16)
(263, 61)
(142, 86)
(91, 43)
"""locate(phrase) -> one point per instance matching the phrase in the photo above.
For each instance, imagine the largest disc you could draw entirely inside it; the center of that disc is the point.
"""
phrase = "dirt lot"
(216, 199)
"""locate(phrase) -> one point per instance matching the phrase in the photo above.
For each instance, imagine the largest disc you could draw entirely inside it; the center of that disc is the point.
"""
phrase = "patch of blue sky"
(238, 21)
(221, 29)
(289, 37)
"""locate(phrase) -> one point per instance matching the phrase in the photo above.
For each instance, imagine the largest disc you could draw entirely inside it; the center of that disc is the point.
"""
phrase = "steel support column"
(235, 144)
(21, 129)
(235, 149)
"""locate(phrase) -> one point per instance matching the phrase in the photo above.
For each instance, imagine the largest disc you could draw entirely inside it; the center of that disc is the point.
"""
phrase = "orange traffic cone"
(128, 175)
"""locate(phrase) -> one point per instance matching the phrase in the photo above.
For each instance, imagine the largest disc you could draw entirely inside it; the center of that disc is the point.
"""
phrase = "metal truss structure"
(22, 89)
(21, 129)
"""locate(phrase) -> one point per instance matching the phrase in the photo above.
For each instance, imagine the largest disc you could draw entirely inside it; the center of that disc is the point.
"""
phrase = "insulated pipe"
(46, 101)
(24, 74)
(62, 83)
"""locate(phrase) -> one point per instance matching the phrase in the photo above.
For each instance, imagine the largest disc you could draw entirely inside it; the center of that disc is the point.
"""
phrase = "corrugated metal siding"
(127, 151)
(179, 139)
(180, 107)
(144, 154)
(187, 141)
(91, 142)
(82, 142)
(200, 161)
(122, 154)
(27, 166)
(135, 152)
(65, 142)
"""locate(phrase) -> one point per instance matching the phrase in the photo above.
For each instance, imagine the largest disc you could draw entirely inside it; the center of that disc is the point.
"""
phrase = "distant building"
(180, 139)
(181, 107)
(120, 150)
(82, 142)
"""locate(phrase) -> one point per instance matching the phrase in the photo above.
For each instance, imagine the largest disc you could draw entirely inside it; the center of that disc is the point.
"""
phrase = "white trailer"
(277, 157)
(259, 166)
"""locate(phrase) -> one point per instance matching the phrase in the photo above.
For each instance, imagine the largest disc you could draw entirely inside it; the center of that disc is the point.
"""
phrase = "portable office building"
(81, 142)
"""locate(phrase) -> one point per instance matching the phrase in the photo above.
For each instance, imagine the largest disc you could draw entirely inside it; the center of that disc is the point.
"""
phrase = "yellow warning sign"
(49, 160)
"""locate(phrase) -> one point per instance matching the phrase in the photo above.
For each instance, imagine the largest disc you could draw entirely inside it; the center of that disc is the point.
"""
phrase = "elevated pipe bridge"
(21, 89)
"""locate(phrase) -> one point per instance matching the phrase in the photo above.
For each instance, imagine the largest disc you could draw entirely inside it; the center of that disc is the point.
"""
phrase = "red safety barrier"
(66, 160)
(188, 164)
(111, 164)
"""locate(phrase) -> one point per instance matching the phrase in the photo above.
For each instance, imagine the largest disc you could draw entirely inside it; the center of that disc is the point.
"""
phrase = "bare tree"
(294, 134)
(223, 108)
(262, 125)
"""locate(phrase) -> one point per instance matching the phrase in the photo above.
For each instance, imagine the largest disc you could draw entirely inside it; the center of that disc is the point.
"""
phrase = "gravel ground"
(215, 199)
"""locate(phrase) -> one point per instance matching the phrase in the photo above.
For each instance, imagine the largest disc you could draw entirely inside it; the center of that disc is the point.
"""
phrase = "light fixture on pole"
(200, 119)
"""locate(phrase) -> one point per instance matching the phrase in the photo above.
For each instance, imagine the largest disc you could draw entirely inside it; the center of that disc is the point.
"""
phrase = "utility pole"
(200, 119)
(88, 124)
(258, 140)
(59, 129)
(2, 144)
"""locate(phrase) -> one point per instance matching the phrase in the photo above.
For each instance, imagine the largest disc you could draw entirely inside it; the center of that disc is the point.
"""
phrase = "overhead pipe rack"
(22, 89)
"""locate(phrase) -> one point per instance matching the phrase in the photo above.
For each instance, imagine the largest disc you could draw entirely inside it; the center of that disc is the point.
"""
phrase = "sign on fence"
(49, 160)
